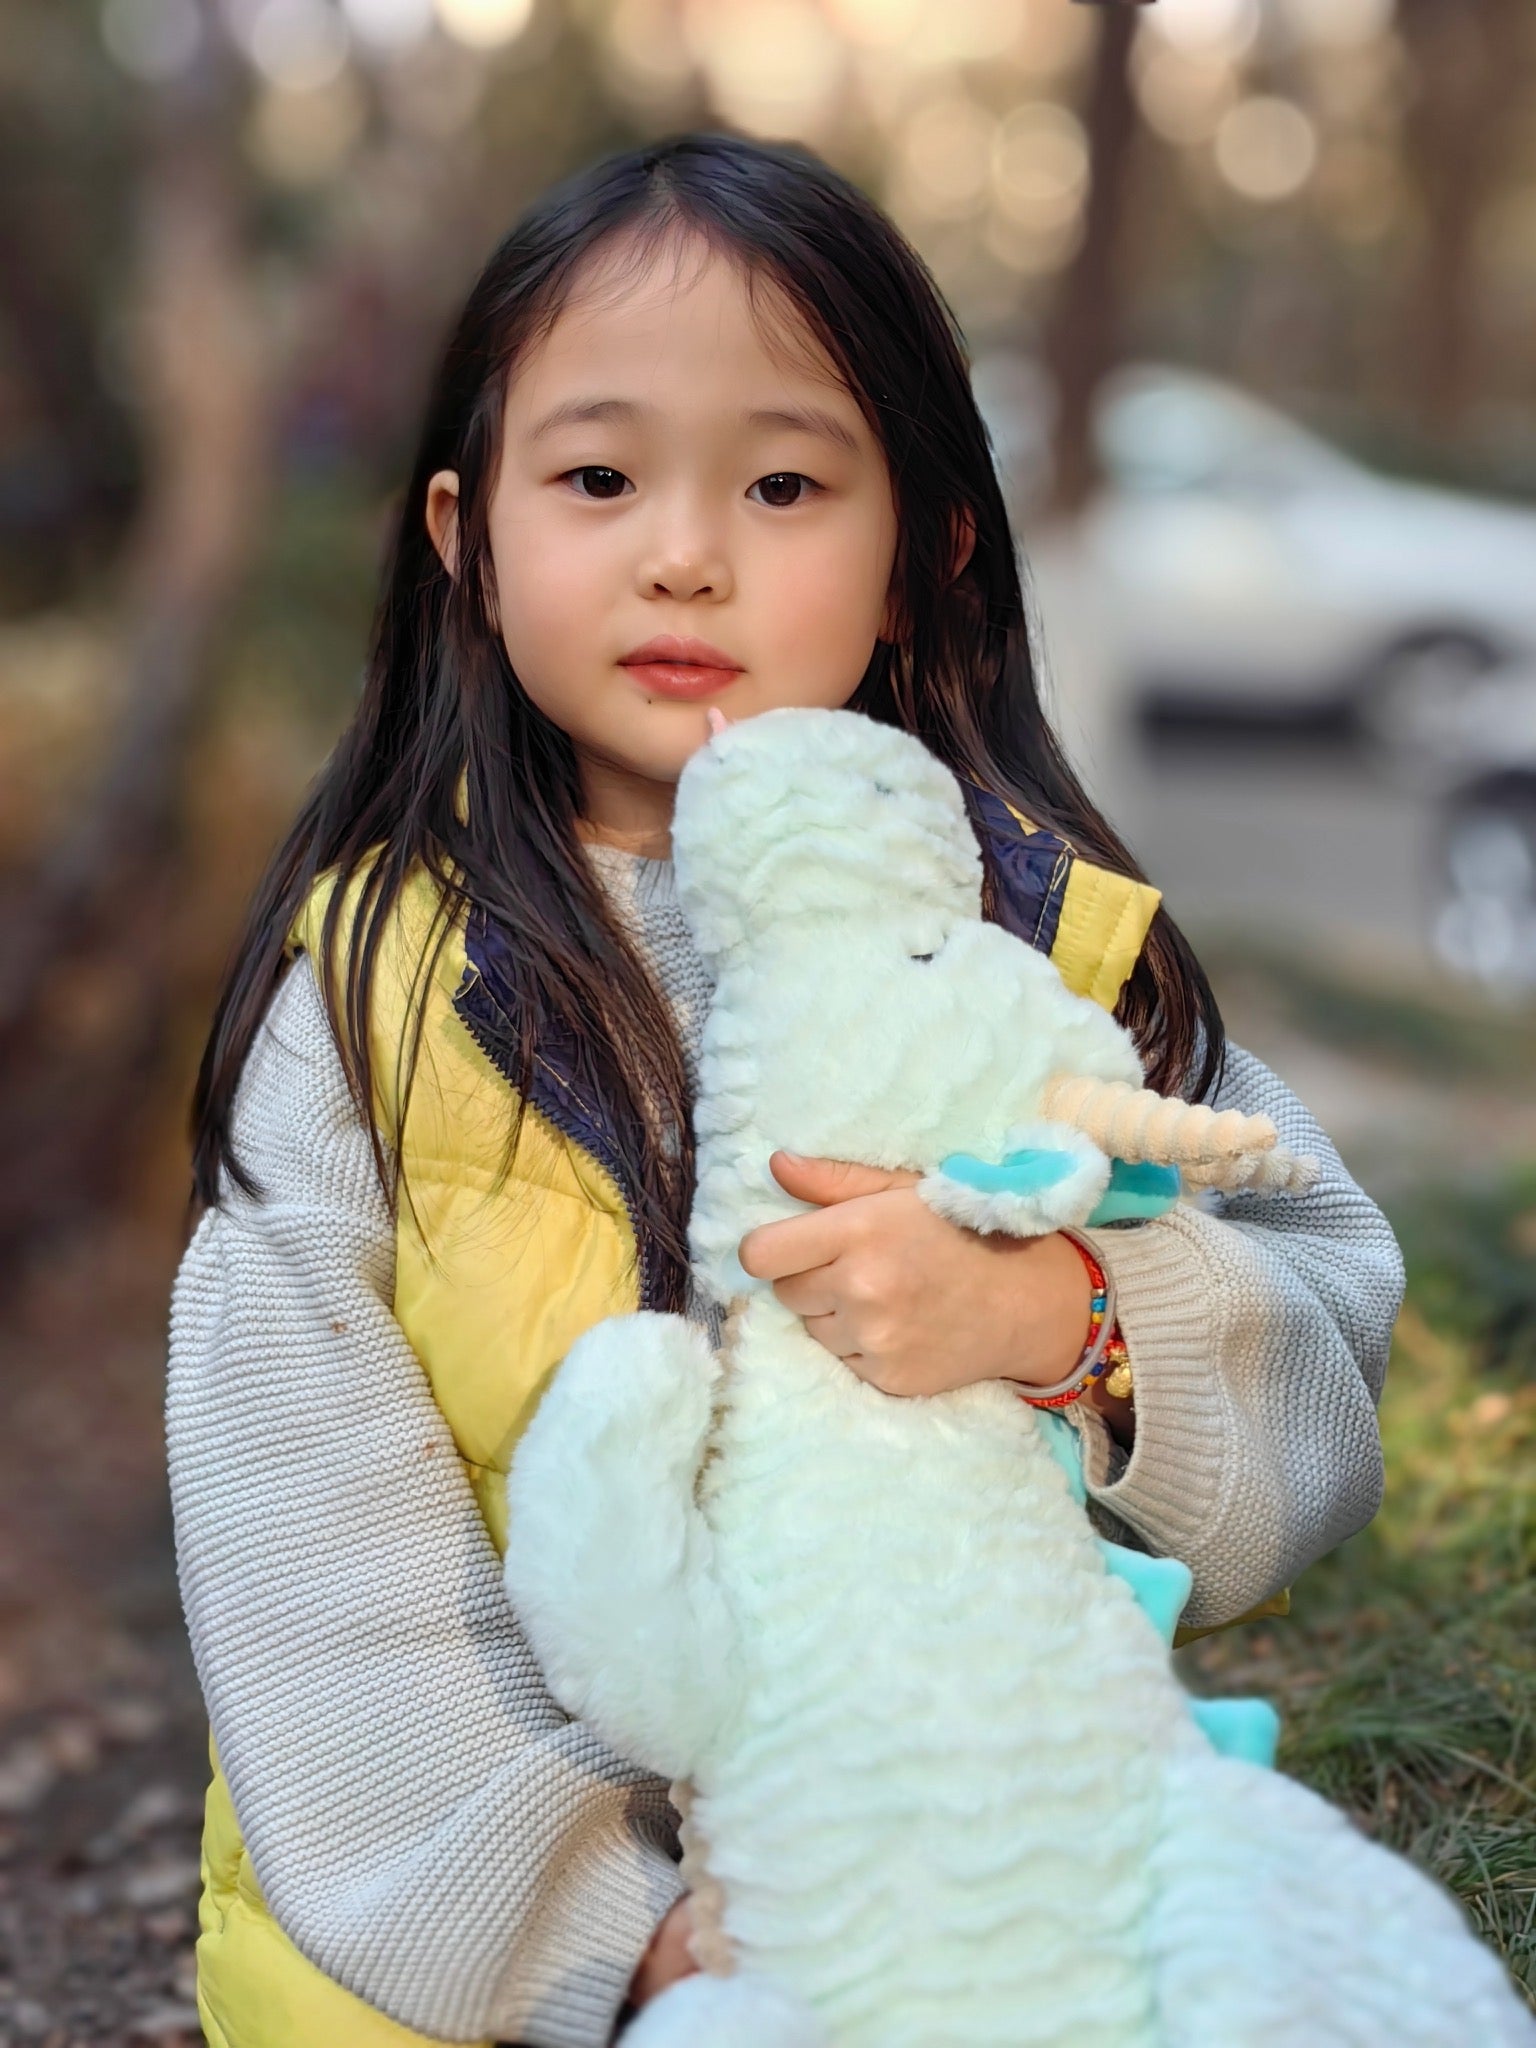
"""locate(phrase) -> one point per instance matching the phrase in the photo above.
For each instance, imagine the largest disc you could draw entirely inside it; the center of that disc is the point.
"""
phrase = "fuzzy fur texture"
(1068, 1197)
(950, 1790)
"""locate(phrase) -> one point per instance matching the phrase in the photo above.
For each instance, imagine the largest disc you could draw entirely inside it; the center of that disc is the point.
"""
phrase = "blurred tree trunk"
(83, 987)
(1082, 336)
(1470, 80)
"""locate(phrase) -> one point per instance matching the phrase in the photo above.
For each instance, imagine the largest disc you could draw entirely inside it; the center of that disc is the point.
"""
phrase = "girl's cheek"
(834, 599)
(553, 588)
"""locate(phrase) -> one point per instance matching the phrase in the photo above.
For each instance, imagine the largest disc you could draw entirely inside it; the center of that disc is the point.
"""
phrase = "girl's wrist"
(1097, 1366)
(667, 1956)
(1058, 1290)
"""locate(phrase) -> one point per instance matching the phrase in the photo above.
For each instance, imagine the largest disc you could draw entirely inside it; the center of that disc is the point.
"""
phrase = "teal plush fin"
(1061, 1440)
(1161, 1584)
(1248, 1730)
(1137, 1187)
(1021, 1173)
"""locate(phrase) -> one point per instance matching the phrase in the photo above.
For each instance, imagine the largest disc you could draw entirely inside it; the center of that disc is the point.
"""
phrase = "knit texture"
(644, 899)
(426, 1824)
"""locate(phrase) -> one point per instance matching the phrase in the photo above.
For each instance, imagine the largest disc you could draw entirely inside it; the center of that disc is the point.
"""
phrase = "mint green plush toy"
(941, 1787)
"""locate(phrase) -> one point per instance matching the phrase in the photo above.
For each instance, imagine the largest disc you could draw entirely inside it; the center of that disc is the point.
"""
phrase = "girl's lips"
(678, 678)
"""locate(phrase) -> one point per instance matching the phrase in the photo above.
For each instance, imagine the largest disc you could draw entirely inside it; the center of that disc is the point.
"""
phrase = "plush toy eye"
(883, 790)
(919, 956)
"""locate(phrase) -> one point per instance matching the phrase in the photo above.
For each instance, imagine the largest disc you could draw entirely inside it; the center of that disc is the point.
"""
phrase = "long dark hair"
(441, 701)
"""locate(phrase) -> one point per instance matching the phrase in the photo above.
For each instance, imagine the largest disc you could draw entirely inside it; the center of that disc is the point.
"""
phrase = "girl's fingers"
(794, 1244)
(832, 1334)
(808, 1294)
(835, 1180)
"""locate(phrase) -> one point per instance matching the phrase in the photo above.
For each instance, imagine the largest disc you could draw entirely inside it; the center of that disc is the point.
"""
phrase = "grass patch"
(1406, 1672)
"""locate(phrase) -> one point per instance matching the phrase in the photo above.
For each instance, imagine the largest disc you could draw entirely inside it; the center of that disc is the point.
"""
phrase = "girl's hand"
(913, 1303)
(668, 1956)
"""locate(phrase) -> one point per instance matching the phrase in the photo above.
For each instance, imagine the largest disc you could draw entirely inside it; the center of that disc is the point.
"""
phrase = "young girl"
(702, 439)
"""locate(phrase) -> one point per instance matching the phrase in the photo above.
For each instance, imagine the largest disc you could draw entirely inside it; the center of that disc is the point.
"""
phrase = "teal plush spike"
(1246, 1729)
(1061, 1440)
(1137, 1187)
(1021, 1173)
(1161, 1584)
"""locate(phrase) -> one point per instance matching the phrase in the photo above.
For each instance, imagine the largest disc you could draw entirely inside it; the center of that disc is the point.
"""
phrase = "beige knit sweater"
(427, 1825)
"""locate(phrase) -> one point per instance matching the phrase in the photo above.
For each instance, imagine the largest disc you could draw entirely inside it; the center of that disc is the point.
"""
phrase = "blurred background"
(1250, 288)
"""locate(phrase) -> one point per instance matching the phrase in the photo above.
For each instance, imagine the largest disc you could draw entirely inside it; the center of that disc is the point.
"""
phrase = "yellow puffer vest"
(489, 1341)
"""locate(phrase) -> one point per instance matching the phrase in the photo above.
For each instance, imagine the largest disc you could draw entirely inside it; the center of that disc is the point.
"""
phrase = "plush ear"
(1049, 1175)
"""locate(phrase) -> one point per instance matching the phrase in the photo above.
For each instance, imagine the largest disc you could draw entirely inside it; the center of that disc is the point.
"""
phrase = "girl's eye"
(779, 481)
(608, 476)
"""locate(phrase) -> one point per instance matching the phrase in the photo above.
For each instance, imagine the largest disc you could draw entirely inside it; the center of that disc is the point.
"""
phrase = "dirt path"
(102, 1735)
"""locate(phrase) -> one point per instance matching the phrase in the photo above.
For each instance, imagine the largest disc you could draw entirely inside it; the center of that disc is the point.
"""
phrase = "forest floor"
(1405, 1675)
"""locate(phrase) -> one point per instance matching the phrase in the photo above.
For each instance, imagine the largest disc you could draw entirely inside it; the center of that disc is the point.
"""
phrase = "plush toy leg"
(725, 2012)
(609, 1562)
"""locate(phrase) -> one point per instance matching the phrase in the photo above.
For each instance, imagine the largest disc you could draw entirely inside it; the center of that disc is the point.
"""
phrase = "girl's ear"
(443, 517)
(962, 544)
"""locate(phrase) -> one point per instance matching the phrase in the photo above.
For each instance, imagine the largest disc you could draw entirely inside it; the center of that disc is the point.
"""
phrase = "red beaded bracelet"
(1105, 1356)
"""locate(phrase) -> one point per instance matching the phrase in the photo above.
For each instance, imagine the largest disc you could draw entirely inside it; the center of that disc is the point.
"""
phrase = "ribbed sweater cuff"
(1173, 1482)
(594, 1923)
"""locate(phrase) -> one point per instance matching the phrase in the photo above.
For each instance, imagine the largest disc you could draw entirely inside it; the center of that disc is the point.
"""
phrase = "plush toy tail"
(726, 2012)
(1212, 1148)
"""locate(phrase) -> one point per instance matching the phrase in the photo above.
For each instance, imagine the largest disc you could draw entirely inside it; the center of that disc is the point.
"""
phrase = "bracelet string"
(1104, 1355)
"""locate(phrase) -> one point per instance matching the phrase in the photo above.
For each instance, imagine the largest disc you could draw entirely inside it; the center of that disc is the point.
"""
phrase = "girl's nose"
(687, 570)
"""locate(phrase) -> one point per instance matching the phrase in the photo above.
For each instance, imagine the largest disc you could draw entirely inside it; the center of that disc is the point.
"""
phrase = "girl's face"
(664, 472)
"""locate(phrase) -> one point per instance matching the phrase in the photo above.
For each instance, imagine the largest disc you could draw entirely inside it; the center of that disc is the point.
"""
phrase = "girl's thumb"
(717, 720)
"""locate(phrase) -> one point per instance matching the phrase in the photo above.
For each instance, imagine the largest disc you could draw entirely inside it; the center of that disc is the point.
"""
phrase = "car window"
(1167, 440)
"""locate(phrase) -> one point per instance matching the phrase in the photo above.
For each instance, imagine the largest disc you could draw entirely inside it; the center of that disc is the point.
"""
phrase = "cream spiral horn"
(1212, 1148)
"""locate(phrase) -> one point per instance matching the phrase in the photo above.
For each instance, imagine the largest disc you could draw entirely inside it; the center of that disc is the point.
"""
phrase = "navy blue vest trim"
(483, 1000)
(1031, 867)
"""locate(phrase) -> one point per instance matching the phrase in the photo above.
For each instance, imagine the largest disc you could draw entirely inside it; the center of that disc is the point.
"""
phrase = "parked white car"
(1480, 763)
(1251, 567)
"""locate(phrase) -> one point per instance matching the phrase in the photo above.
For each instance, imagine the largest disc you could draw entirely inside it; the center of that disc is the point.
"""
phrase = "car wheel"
(1409, 702)
(1484, 920)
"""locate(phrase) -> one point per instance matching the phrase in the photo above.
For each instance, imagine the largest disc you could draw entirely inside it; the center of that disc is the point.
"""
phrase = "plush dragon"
(939, 1783)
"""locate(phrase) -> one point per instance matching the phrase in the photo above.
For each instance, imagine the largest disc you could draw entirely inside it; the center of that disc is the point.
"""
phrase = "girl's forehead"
(635, 309)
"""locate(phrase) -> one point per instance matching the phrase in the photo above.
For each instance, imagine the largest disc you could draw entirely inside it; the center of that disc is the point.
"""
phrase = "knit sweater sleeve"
(1258, 1332)
(426, 1824)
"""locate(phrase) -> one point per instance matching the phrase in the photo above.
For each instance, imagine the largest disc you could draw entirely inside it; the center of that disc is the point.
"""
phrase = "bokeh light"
(1182, 94)
(1227, 25)
(484, 24)
(1339, 24)
(1031, 252)
(1040, 167)
(1266, 148)
(966, 31)
(303, 137)
(645, 54)
(945, 151)
(772, 65)
(300, 44)
(151, 39)
(389, 24)
(876, 24)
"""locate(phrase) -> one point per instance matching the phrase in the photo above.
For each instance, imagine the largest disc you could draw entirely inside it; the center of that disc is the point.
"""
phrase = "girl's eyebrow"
(805, 419)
